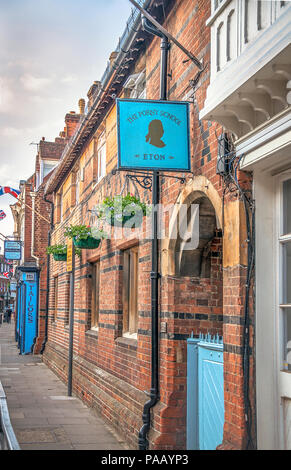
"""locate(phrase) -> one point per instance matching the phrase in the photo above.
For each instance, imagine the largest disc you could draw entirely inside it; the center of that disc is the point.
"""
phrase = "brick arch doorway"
(192, 301)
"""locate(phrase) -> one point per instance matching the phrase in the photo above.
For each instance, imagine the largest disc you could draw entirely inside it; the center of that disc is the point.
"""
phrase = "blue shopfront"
(26, 328)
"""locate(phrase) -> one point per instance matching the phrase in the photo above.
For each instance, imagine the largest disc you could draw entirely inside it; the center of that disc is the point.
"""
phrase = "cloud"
(10, 132)
(32, 83)
(6, 95)
(69, 79)
(51, 52)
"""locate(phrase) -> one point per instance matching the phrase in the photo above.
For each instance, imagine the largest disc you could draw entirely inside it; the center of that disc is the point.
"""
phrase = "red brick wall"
(111, 372)
(41, 229)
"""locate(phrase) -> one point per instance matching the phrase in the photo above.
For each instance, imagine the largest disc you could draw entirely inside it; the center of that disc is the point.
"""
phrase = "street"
(42, 416)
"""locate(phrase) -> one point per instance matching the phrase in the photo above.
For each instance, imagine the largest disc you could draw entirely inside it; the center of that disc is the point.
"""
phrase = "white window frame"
(61, 207)
(281, 241)
(101, 157)
(283, 375)
(133, 83)
(77, 187)
(42, 164)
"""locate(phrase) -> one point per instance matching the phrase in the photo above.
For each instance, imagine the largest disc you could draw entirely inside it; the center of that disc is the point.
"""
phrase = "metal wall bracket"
(145, 180)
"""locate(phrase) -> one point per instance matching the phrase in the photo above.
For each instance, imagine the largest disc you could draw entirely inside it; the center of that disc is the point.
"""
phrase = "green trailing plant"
(60, 250)
(84, 232)
(85, 237)
(57, 250)
(120, 209)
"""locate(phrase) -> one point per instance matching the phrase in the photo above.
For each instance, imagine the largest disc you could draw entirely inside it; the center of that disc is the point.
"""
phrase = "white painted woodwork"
(250, 63)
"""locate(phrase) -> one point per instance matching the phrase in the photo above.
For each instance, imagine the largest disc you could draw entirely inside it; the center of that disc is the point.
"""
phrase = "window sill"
(92, 334)
(99, 178)
(129, 343)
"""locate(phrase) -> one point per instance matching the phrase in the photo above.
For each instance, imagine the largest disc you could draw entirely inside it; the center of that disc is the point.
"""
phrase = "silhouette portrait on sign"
(155, 133)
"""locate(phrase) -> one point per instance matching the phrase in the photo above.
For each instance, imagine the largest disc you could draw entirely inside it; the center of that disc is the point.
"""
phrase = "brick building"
(4, 283)
(32, 220)
(201, 291)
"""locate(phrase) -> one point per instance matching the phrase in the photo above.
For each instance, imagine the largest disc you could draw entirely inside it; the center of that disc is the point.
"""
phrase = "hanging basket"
(60, 257)
(89, 243)
(121, 221)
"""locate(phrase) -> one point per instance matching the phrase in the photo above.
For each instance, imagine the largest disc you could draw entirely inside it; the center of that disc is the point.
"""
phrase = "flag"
(2, 214)
(6, 275)
(8, 190)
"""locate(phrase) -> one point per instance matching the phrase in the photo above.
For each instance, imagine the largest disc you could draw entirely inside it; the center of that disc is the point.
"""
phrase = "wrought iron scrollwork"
(145, 181)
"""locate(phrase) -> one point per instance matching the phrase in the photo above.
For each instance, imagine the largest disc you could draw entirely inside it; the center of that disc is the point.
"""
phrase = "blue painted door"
(27, 315)
(192, 394)
(205, 393)
(210, 394)
(18, 312)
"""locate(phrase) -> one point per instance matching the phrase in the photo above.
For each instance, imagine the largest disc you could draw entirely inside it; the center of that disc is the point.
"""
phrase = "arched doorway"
(193, 302)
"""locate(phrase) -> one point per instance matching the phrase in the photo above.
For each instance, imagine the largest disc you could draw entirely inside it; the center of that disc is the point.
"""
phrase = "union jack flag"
(8, 190)
(6, 275)
(2, 214)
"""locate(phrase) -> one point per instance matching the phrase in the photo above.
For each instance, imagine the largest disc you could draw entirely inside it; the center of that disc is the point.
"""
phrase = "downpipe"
(154, 391)
(48, 279)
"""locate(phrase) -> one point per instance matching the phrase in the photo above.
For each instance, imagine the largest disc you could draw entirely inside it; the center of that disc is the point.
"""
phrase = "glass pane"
(286, 275)
(287, 339)
(287, 207)
(47, 168)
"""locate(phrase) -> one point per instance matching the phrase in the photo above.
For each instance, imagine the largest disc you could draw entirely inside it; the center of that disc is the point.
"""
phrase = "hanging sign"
(153, 135)
(12, 250)
(70, 255)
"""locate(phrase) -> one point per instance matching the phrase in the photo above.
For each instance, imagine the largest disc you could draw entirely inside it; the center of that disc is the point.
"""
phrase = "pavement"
(42, 415)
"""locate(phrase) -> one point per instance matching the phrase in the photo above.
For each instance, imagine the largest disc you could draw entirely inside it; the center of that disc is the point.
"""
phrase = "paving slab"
(42, 415)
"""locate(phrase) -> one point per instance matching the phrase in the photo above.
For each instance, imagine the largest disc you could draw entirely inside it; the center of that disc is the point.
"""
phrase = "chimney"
(71, 121)
(92, 92)
(81, 104)
(112, 58)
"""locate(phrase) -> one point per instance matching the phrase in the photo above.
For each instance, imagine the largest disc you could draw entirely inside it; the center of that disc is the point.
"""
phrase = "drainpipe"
(48, 278)
(154, 391)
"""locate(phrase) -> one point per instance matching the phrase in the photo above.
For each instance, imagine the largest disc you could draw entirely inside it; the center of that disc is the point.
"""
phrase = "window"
(56, 279)
(285, 272)
(230, 40)
(130, 292)
(61, 207)
(136, 85)
(216, 4)
(95, 295)
(47, 168)
(77, 187)
(101, 155)
(219, 47)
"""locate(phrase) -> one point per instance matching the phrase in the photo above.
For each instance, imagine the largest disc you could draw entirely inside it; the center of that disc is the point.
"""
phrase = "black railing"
(8, 439)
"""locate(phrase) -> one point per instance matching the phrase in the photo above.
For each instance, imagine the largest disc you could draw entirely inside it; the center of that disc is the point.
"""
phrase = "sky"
(51, 51)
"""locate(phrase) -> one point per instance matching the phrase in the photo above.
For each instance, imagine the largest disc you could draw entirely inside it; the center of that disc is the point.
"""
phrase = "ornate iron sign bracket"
(145, 180)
